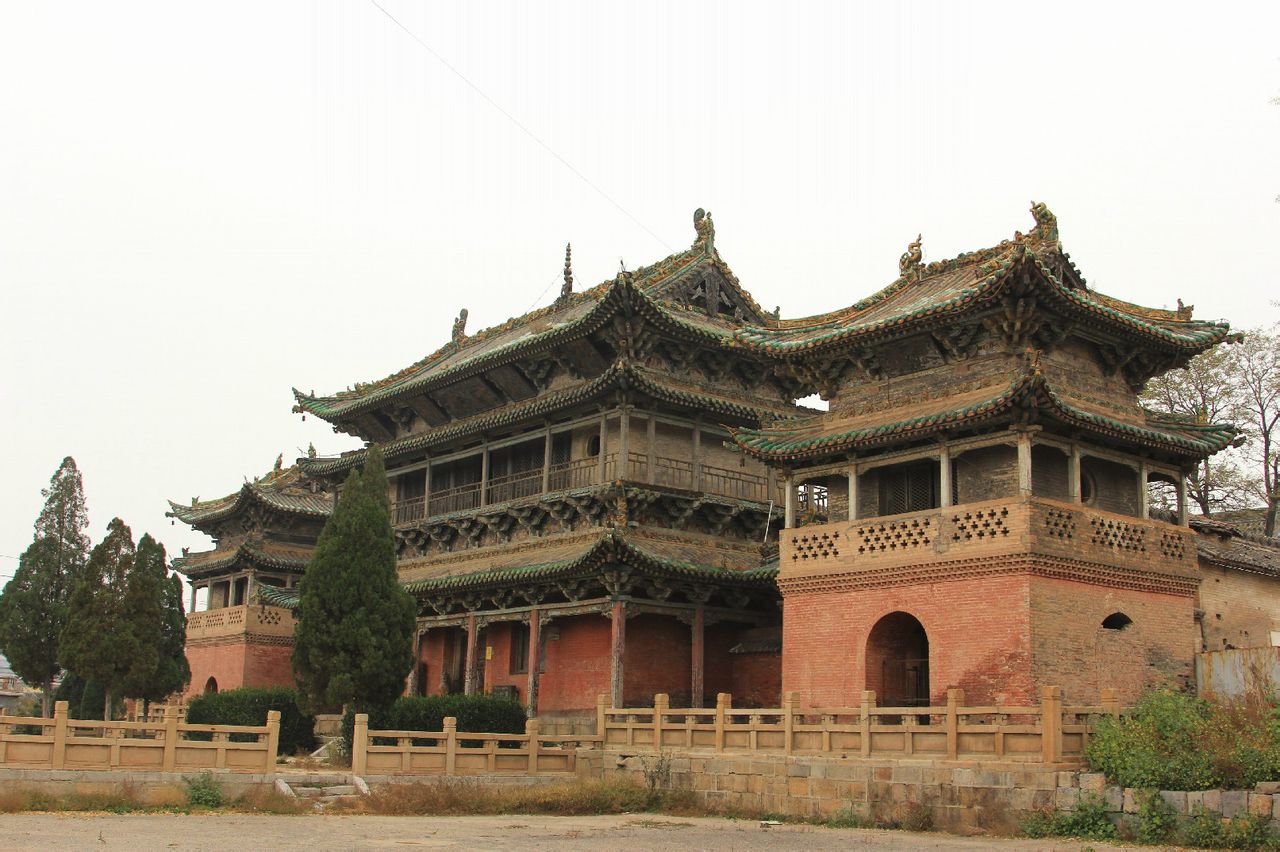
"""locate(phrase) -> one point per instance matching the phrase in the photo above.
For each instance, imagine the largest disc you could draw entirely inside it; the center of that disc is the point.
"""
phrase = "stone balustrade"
(255, 619)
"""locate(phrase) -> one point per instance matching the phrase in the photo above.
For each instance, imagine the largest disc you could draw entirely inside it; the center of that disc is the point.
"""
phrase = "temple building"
(263, 537)
(987, 466)
(619, 493)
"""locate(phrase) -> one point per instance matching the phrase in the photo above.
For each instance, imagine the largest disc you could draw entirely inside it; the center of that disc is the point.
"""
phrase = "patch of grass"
(203, 791)
(1089, 821)
(847, 818)
(270, 801)
(458, 797)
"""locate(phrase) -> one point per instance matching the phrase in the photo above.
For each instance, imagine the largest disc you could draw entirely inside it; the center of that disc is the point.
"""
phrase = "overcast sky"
(202, 205)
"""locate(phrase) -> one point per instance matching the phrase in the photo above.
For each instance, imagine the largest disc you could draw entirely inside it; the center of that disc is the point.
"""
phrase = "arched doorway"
(210, 686)
(897, 661)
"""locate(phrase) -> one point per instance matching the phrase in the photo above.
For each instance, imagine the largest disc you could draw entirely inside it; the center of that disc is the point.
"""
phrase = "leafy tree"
(96, 642)
(33, 605)
(1257, 371)
(1206, 390)
(152, 614)
(353, 643)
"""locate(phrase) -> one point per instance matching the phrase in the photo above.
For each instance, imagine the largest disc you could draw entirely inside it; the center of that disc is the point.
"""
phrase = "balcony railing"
(240, 620)
(580, 473)
(991, 528)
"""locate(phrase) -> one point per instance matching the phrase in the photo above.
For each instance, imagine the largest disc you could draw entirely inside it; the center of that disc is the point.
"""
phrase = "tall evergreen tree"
(154, 617)
(96, 641)
(354, 639)
(33, 606)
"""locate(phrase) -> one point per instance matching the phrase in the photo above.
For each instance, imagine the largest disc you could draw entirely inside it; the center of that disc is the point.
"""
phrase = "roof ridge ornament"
(460, 328)
(566, 290)
(1046, 223)
(705, 230)
(909, 263)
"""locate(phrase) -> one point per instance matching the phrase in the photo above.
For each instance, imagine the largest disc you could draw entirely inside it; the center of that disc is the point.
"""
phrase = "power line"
(517, 123)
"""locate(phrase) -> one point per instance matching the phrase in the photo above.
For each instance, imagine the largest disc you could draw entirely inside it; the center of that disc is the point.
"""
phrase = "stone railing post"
(1110, 702)
(602, 718)
(955, 698)
(723, 702)
(450, 744)
(661, 702)
(59, 755)
(531, 731)
(360, 745)
(1051, 724)
(788, 721)
(864, 722)
(273, 738)
(170, 738)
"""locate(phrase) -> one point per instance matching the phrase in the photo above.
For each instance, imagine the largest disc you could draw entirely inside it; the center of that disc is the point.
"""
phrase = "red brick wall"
(577, 664)
(978, 630)
(757, 680)
(1071, 649)
(237, 663)
(659, 658)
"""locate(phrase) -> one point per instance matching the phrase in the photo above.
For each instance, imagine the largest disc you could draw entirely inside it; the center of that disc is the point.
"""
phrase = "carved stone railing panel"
(980, 523)
(1117, 534)
(906, 535)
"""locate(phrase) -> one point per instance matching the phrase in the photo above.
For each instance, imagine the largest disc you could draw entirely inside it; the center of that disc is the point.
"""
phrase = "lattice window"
(908, 488)
(1172, 545)
(816, 546)
(1060, 523)
(895, 536)
(1118, 535)
(980, 524)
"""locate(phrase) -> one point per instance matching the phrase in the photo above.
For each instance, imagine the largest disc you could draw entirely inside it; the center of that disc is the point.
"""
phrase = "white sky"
(202, 205)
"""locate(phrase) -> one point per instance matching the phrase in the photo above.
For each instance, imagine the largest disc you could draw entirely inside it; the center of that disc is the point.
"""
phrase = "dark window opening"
(211, 686)
(519, 649)
(908, 488)
(1087, 488)
(593, 446)
(1116, 621)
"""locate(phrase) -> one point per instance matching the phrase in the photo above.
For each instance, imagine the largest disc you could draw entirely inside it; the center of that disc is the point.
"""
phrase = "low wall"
(959, 795)
(1124, 803)
(151, 788)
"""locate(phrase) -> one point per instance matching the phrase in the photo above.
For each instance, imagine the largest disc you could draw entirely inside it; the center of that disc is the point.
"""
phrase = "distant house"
(12, 689)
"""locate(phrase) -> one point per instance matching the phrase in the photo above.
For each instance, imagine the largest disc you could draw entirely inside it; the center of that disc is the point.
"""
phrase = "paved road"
(247, 832)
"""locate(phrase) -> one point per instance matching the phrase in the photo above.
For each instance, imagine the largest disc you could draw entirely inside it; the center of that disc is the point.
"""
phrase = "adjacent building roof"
(830, 434)
(283, 489)
(251, 552)
(1229, 546)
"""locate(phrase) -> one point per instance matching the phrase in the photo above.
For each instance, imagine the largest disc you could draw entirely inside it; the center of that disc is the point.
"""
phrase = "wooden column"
(471, 667)
(617, 651)
(651, 463)
(944, 476)
(789, 503)
(853, 492)
(192, 608)
(426, 491)
(1183, 508)
(535, 661)
(697, 454)
(624, 442)
(698, 662)
(250, 583)
(1024, 464)
(604, 436)
(484, 475)
(1073, 474)
(546, 462)
(1144, 500)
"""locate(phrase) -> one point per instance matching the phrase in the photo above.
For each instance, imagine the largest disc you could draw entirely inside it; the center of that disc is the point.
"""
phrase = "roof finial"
(909, 263)
(1046, 223)
(460, 327)
(705, 229)
(567, 290)
(311, 450)
(279, 463)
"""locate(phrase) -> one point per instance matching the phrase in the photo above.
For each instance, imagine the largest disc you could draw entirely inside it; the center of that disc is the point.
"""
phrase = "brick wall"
(978, 630)
(1240, 609)
(987, 473)
(577, 667)
(658, 659)
(1115, 486)
(236, 662)
(1071, 648)
(1049, 469)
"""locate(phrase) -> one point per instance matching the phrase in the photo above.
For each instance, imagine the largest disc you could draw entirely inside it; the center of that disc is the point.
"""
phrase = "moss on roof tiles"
(257, 554)
(280, 489)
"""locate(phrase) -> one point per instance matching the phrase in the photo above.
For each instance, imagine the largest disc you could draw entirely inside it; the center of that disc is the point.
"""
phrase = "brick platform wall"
(238, 662)
(1072, 649)
(978, 629)
(1240, 609)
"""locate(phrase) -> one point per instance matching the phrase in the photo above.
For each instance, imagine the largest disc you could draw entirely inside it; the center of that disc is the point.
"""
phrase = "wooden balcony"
(581, 473)
(239, 621)
(1017, 525)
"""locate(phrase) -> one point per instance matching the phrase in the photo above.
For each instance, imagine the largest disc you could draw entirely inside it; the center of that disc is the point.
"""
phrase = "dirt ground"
(630, 832)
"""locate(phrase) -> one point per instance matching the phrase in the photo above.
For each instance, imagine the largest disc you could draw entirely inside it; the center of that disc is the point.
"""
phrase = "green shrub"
(203, 791)
(1174, 741)
(481, 713)
(1249, 832)
(1089, 821)
(249, 706)
(1156, 818)
(1204, 829)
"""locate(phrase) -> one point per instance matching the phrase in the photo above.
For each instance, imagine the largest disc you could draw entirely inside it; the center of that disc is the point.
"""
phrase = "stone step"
(308, 792)
(340, 790)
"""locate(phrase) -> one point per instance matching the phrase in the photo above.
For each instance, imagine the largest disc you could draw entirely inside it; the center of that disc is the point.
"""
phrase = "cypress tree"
(97, 643)
(354, 639)
(154, 618)
(33, 606)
